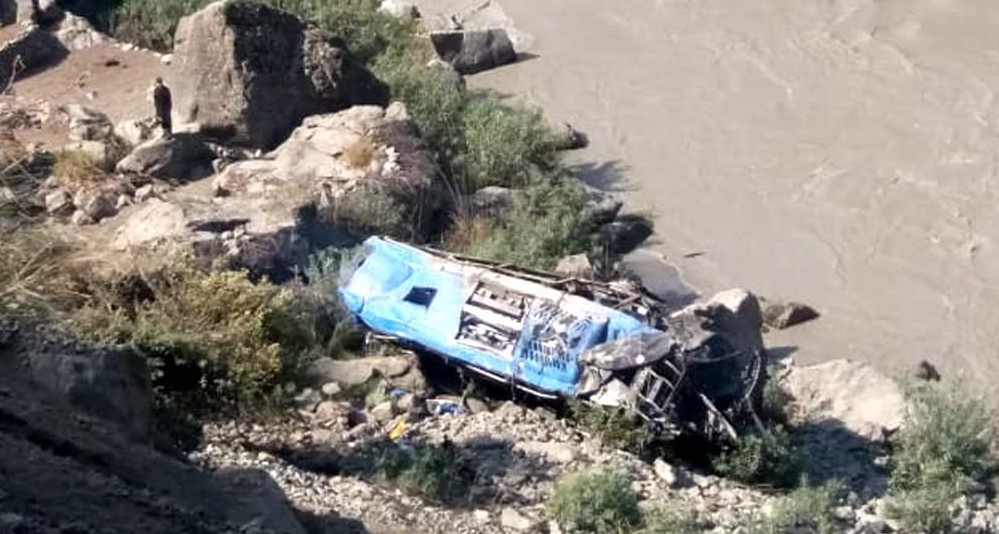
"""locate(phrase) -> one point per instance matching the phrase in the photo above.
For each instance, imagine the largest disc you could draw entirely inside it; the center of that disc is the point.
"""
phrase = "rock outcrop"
(249, 73)
(337, 173)
(183, 156)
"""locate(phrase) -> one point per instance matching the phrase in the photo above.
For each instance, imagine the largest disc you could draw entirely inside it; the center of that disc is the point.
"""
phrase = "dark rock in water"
(35, 49)
(625, 234)
(781, 315)
(183, 156)
(249, 73)
(927, 371)
(569, 138)
(602, 212)
(474, 51)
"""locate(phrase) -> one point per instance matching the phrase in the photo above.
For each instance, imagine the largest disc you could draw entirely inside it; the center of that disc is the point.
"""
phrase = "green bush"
(672, 520)
(151, 23)
(599, 502)
(806, 509)
(217, 341)
(545, 226)
(769, 458)
(944, 449)
(775, 402)
(614, 427)
(503, 145)
(434, 473)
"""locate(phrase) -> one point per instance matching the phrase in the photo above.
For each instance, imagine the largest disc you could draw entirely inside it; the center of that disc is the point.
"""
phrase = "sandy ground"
(839, 152)
(104, 77)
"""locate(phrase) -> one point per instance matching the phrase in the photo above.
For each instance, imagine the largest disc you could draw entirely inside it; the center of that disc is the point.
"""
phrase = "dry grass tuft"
(467, 230)
(360, 153)
(73, 167)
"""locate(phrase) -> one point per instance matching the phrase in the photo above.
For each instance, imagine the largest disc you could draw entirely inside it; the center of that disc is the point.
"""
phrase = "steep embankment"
(842, 153)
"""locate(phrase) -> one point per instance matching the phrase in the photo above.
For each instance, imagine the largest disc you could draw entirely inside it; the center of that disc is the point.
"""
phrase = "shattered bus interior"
(695, 370)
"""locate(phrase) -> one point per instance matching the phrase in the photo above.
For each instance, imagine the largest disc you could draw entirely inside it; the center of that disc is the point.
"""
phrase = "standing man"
(163, 102)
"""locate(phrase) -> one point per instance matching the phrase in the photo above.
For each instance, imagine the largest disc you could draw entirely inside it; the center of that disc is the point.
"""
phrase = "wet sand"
(838, 152)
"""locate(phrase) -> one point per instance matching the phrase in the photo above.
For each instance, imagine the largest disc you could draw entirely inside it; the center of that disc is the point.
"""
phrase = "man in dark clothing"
(164, 104)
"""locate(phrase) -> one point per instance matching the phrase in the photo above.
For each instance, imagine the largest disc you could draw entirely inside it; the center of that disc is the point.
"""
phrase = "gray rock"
(123, 200)
(383, 413)
(625, 234)
(447, 73)
(183, 156)
(80, 218)
(493, 200)
(781, 315)
(602, 212)
(400, 9)
(569, 138)
(249, 73)
(358, 371)
(308, 399)
(666, 472)
(853, 394)
(87, 124)
(306, 194)
(513, 520)
(331, 389)
(136, 131)
(555, 452)
(76, 33)
(746, 307)
(96, 204)
(144, 193)
(475, 405)
(474, 51)
(59, 203)
(577, 266)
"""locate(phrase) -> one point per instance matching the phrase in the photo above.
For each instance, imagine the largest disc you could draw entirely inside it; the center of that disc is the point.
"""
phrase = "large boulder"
(337, 177)
(183, 156)
(86, 124)
(249, 73)
(474, 51)
(849, 394)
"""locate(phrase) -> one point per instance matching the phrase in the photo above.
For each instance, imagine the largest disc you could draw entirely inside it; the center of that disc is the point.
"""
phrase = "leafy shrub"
(774, 402)
(503, 145)
(944, 449)
(432, 472)
(600, 502)
(806, 509)
(769, 458)
(545, 226)
(216, 340)
(672, 520)
(151, 23)
(613, 427)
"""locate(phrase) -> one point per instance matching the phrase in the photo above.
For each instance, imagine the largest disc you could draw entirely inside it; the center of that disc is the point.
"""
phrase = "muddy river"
(839, 152)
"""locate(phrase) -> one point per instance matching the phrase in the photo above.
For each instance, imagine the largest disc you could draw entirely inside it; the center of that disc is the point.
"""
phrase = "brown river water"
(843, 153)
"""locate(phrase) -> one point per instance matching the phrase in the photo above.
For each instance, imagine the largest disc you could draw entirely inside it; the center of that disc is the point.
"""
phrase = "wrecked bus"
(611, 344)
